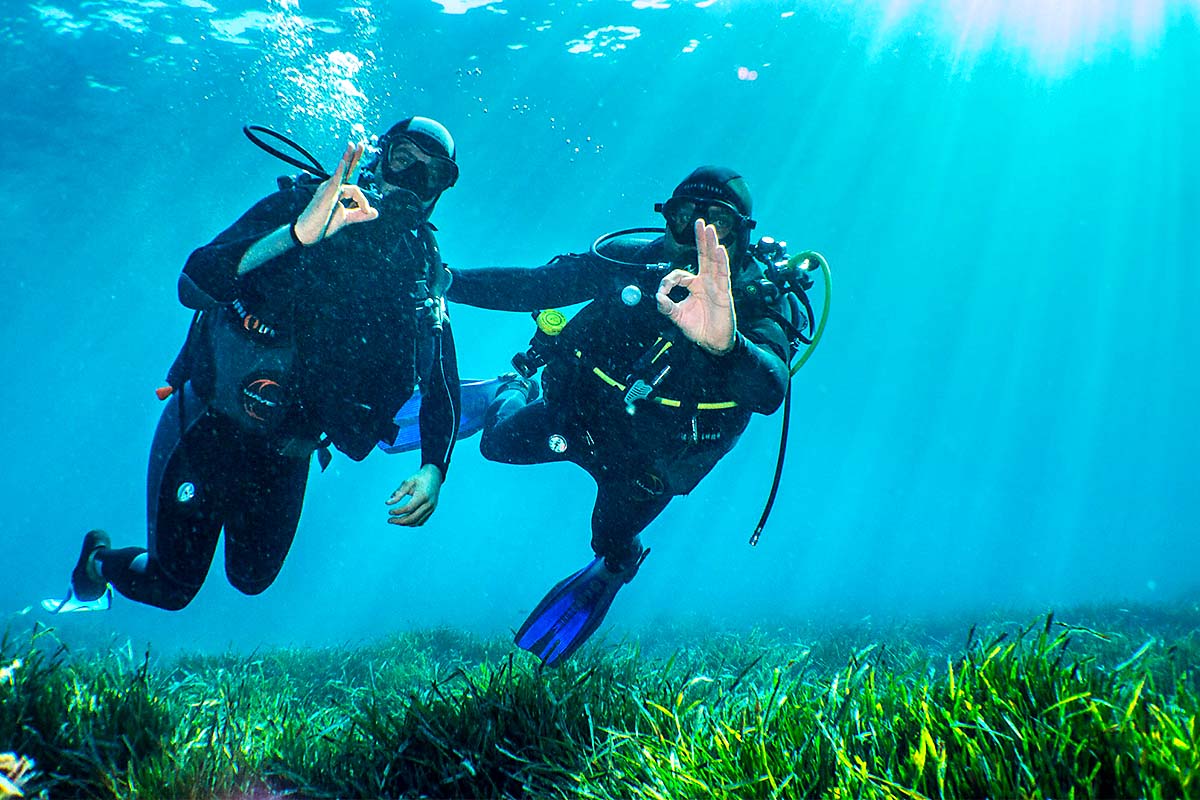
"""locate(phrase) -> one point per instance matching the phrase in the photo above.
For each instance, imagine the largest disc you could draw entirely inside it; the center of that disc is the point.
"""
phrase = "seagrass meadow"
(1098, 702)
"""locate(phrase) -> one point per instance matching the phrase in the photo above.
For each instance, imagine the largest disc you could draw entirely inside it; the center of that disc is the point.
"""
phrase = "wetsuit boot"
(86, 582)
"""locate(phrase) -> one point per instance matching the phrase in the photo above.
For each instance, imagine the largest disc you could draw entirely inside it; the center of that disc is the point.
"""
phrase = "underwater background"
(1001, 414)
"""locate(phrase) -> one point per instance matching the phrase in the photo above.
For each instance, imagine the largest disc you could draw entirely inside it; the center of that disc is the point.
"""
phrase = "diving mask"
(426, 175)
(681, 213)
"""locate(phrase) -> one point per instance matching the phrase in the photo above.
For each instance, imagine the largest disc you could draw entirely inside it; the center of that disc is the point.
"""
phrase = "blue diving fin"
(573, 610)
(476, 396)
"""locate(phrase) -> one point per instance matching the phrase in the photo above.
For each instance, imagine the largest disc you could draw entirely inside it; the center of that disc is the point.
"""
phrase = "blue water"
(1002, 413)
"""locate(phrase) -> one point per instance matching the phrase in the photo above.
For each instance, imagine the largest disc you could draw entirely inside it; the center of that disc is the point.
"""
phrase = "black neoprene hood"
(717, 183)
(429, 134)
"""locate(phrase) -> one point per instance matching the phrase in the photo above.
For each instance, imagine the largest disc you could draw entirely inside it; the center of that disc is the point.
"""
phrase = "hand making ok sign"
(706, 315)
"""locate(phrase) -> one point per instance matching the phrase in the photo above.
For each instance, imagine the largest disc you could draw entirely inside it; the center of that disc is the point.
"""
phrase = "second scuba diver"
(318, 312)
(646, 388)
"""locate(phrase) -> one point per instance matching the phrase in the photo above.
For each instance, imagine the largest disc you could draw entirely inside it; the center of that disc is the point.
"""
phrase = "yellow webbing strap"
(662, 401)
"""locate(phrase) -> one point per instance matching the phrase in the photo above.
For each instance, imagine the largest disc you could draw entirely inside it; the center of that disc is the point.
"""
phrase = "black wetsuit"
(639, 460)
(339, 320)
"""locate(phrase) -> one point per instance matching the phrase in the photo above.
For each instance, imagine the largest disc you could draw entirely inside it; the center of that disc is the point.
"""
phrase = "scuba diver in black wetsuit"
(646, 388)
(318, 313)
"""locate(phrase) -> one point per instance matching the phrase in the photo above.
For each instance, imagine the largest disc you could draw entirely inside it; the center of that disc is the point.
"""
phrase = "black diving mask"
(681, 213)
(426, 175)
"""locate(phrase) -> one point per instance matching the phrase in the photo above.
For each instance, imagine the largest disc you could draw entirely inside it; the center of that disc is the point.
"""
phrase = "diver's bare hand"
(706, 315)
(326, 214)
(424, 488)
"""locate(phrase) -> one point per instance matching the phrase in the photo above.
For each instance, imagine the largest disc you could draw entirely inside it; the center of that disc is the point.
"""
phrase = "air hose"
(805, 262)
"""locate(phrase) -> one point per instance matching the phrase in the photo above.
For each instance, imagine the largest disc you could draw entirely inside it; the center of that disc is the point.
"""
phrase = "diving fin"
(475, 397)
(87, 592)
(573, 610)
(71, 603)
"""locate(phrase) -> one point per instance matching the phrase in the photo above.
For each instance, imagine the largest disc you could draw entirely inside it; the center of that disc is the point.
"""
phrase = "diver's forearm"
(273, 245)
(565, 281)
(756, 376)
(441, 406)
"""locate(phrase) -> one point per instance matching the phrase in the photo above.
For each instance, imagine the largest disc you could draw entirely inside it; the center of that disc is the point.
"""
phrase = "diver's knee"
(501, 443)
(250, 586)
(491, 446)
(177, 598)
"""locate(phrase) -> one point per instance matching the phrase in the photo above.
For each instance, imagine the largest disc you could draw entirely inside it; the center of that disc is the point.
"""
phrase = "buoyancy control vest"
(248, 368)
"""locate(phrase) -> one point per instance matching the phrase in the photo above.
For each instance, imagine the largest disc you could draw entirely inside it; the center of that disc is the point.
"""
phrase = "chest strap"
(662, 401)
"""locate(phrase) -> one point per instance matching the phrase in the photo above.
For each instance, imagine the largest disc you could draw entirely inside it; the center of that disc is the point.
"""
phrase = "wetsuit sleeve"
(567, 280)
(756, 369)
(441, 408)
(212, 269)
